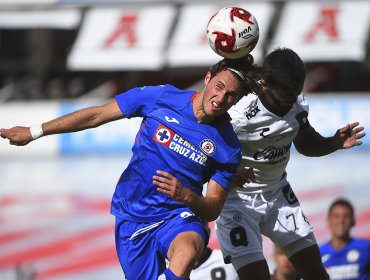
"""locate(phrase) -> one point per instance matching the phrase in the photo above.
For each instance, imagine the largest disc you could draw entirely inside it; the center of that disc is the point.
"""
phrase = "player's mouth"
(216, 105)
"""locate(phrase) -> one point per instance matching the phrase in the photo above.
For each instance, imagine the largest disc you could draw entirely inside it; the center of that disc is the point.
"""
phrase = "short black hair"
(342, 202)
(283, 69)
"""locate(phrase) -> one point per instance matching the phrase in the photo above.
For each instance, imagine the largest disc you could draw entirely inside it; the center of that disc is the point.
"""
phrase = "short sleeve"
(302, 117)
(138, 102)
(224, 174)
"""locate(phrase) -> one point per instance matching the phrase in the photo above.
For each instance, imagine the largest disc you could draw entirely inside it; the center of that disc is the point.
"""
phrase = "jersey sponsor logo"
(274, 154)
(186, 214)
(163, 135)
(252, 111)
(176, 143)
(173, 120)
(237, 218)
(208, 147)
(341, 272)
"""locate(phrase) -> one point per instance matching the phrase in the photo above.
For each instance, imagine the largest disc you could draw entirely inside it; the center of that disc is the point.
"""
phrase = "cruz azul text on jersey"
(176, 143)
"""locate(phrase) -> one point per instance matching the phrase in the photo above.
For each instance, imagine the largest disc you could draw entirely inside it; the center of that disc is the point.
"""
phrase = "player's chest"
(158, 138)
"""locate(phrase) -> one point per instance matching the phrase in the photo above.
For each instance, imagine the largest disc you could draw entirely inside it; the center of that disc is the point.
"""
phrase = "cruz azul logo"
(163, 135)
(208, 147)
(176, 143)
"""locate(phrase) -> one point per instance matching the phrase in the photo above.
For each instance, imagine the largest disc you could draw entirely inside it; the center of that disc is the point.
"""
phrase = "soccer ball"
(232, 32)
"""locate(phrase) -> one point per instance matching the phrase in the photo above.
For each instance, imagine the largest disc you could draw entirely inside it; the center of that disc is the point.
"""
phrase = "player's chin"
(214, 114)
(217, 111)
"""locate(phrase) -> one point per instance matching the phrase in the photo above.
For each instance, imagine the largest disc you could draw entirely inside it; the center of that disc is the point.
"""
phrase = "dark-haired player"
(268, 122)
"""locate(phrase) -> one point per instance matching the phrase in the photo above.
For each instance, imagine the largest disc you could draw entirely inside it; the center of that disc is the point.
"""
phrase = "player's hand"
(170, 186)
(18, 135)
(243, 175)
(347, 137)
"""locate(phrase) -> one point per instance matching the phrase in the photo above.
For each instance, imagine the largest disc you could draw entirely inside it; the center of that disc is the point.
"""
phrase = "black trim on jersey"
(302, 119)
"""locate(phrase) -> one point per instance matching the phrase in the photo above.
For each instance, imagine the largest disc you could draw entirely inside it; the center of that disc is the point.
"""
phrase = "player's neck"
(198, 109)
(340, 243)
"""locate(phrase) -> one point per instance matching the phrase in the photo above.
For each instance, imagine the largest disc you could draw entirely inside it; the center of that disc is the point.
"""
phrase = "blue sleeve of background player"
(138, 102)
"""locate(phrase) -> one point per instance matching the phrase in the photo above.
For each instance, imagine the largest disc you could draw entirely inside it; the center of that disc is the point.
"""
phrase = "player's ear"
(207, 78)
(262, 82)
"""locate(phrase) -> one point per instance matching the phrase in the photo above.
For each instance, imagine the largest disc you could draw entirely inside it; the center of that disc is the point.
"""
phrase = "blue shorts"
(142, 247)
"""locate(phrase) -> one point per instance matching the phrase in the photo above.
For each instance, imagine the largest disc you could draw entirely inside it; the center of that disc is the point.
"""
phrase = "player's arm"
(207, 207)
(311, 143)
(76, 121)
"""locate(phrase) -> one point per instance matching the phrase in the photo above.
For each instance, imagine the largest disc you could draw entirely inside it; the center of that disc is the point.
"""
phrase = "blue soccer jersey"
(170, 139)
(350, 263)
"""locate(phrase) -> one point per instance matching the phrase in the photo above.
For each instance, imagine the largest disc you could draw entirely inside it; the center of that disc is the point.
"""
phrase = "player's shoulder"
(164, 88)
(246, 100)
(243, 105)
(361, 242)
(325, 247)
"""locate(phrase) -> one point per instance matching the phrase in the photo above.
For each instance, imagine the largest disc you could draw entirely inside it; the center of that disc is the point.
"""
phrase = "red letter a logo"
(126, 28)
(327, 22)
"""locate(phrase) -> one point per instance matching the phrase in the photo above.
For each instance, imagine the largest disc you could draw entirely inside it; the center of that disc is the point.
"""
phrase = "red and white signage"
(324, 31)
(189, 46)
(119, 39)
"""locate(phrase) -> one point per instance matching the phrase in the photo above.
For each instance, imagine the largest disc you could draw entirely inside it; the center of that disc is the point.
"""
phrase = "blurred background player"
(211, 266)
(158, 201)
(267, 123)
(284, 270)
(344, 256)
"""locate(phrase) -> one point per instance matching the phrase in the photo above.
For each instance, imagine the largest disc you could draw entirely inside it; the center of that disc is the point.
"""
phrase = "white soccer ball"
(232, 32)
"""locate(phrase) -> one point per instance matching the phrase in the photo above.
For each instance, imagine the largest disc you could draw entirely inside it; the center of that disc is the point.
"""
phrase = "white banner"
(120, 39)
(325, 31)
(28, 19)
(189, 46)
(16, 3)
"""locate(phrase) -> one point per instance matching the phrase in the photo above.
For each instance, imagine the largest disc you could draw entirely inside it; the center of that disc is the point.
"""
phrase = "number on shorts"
(295, 224)
(218, 273)
(238, 237)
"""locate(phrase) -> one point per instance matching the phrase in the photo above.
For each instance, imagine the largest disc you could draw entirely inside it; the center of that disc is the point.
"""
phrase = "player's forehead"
(228, 78)
(340, 209)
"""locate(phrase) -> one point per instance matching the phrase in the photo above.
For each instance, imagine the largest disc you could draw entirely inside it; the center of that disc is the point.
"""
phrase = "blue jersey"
(350, 263)
(171, 139)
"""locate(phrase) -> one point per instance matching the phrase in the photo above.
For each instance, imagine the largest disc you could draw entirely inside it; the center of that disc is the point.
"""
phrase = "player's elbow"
(213, 214)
